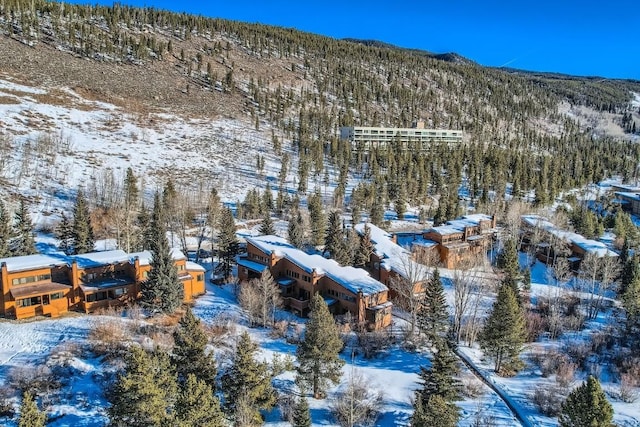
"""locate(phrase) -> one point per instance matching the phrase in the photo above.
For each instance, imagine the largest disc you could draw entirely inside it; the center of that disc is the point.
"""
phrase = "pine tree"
(64, 234)
(144, 223)
(504, 332)
(197, 406)
(267, 228)
(377, 213)
(5, 232)
(189, 352)
(319, 352)
(249, 379)
(439, 379)
(507, 260)
(295, 230)
(433, 317)
(631, 304)
(586, 406)
(317, 218)
(228, 246)
(145, 393)
(301, 413)
(365, 248)
(23, 244)
(434, 412)
(82, 231)
(30, 415)
(162, 290)
(333, 241)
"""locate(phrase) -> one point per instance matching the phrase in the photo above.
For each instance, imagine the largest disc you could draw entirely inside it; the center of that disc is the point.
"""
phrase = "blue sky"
(588, 38)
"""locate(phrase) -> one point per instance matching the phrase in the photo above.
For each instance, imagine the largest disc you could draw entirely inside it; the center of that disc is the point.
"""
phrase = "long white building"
(368, 138)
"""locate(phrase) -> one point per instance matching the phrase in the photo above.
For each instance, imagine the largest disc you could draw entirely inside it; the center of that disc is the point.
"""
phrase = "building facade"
(415, 138)
(459, 240)
(300, 275)
(50, 285)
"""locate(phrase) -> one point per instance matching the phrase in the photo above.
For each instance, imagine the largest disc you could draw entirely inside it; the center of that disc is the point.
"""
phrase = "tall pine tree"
(295, 231)
(267, 228)
(586, 406)
(64, 234)
(5, 231)
(23, 243)
(319, 352)
(248, 379)
(162, 290)
(190, 356)
(197, 406)
(301, 413)
(433, 317)
(145, 393)
(82, 231)
(228, 246)
(365, 248)
(504, 332)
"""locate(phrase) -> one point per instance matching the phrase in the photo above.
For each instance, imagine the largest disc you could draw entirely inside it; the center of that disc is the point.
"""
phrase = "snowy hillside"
(54, 140)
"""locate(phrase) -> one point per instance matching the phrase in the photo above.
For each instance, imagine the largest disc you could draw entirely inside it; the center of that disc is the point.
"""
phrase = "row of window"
(258, 257)
(44, 300)
(293, 274)
(104, 295)
(340, 295)
(30, 279)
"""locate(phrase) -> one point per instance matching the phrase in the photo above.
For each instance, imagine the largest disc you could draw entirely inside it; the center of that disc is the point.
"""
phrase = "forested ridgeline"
(306, 86)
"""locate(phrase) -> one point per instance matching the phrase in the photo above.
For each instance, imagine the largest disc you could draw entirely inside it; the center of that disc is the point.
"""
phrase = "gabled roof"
(351, 278)
(394, 257)
(97, 259)
(456, 226)
(33, 262)
(588, 245)
(145, 257)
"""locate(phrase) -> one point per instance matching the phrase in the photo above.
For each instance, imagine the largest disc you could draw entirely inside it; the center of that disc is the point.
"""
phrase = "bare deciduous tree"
(595, 277)
(260, 298)
(409, 290)
(358, 404)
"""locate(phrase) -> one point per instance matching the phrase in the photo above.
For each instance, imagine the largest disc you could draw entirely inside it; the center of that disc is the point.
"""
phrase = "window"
(200, 277)
(45, 299)
(23, 280)
(27, 302)
(57, 295)
(180, 267)
(306, 278)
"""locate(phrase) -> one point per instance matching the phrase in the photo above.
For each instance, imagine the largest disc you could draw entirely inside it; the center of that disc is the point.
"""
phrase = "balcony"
(296, 304)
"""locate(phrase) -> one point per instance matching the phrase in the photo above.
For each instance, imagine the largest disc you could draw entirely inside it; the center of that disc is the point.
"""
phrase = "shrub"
(548, 399)
(33, 379)
(108, 336)
(472, 387)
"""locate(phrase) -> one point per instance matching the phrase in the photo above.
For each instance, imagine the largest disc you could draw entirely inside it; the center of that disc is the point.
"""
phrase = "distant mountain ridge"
(447, 56)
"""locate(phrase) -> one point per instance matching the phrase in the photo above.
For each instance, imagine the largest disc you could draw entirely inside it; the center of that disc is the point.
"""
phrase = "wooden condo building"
(300, 275)
(459, 240)
(49, 285)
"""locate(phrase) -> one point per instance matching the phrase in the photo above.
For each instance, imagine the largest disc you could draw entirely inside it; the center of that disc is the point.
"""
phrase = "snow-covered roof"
(97, 259)
(32, 262)
(588, 245)
(628, 195)
(192, 266)
(146, 256)
(351, 278)
(456, 226)
(394, 257)
(251, 265)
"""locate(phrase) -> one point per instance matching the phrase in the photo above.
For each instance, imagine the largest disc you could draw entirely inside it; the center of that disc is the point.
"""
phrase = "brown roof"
(34, 290)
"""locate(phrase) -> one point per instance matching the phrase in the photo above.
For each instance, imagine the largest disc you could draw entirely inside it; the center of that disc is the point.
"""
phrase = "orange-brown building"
(49, 285)
(300, 275)
(389, 260)
(461, 239)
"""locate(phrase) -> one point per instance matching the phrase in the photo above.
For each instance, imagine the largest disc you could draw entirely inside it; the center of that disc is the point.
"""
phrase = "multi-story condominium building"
(300, 275)
(550, 242)
(415, 138)
(49, 285)
(391, 261)
(461, 239)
